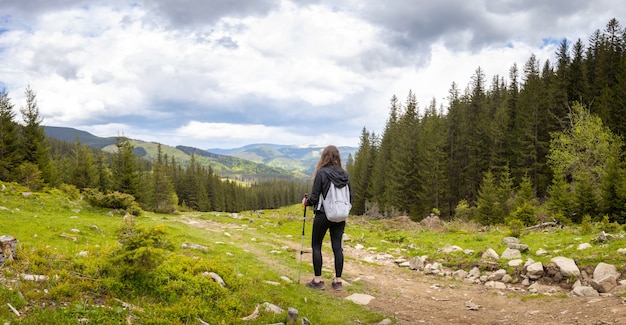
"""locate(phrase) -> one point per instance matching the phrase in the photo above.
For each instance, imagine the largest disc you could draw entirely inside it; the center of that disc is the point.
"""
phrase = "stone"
(490, 254)
(360, 298)
(474, 273)
(516, 262)
(519, 247)
(585, 291)
(269, 307)
(450, 249)
(534, 271)
(292, 315)
(7, 248)
(417, 263)
(604, 269)
(541, 252)
(567, 266)
(495, 285)
(497, 275)
(584, 246)
(604, 285)
(510, 254)
(511, 240)
(460, 274)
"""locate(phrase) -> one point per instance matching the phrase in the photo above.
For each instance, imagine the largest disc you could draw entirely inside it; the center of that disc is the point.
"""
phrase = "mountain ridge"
(262, 160)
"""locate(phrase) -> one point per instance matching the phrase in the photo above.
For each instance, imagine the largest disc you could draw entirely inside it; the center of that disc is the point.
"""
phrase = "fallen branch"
(543, 225)
(14, 310)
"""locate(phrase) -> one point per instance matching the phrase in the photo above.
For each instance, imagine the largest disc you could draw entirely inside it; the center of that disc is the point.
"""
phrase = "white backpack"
(336, 203)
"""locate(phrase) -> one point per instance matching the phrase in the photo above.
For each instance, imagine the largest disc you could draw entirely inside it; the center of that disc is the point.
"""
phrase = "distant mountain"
(70, 135)
(292, 158)
(251, 161)
(226, 166)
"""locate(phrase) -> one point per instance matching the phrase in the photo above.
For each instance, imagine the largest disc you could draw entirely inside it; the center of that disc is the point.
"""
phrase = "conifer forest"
(544, 143)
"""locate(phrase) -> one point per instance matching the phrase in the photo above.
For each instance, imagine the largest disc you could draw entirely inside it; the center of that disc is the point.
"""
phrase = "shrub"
(607, 226)
(516, 227)
(525, 213)
(585, 226)
(113, 200)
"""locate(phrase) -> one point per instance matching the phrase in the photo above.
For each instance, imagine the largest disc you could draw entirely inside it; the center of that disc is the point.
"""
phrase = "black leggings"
(320, 226)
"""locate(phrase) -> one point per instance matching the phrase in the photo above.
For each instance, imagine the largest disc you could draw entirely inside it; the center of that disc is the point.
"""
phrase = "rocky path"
(415, 298)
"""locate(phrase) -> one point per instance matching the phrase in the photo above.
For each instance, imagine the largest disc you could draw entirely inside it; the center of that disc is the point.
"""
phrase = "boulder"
(567, 266)
(604, 285)
(534, 271)
(491, 254)
(603, 269)
(511, 254)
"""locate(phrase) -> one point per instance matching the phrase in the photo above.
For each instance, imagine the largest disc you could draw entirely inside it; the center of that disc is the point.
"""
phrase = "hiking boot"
(315, 285)
(338, 286)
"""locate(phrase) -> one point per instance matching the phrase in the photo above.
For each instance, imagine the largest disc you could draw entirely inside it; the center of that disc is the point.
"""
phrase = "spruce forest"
(546, 143)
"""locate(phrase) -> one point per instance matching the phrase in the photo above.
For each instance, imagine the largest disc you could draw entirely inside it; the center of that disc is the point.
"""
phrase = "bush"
(516, 227)
(585, 226)
(609, 227)
(114, 200)
(525, 213)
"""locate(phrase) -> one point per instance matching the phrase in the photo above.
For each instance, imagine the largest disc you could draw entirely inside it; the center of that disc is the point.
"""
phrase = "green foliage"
(142, 251)
(586, 227)
(114, 200)
(607, 226)
(516, 227)
(526, 214)
(463, 211)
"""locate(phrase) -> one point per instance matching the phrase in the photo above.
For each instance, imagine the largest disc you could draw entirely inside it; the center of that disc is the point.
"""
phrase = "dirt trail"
(414, 298)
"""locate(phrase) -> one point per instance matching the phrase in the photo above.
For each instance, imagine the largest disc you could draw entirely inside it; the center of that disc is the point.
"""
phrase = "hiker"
(329, 169)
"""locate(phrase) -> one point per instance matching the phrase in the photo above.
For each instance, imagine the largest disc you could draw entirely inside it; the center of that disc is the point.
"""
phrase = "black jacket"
(321, 184)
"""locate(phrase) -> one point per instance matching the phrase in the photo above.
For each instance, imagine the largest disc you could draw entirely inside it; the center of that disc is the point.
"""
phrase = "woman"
(328, 169)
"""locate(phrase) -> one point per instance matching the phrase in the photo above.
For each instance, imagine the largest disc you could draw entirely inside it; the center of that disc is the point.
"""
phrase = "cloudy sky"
(225, 73)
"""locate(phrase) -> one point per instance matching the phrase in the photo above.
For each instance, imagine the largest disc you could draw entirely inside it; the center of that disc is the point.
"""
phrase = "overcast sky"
(226, 73)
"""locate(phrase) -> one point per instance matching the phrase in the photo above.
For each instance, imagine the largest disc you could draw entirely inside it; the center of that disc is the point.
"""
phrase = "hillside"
(292, 158)
(250, 161)
(226, 166)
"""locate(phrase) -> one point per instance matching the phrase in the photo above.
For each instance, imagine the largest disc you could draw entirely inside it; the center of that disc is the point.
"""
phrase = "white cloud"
(265, 71)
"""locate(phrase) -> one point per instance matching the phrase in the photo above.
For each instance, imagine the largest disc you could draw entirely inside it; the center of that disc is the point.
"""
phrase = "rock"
(619, 290)
(82, 254)
(432, 222)
(273, 308)
(497, 275)
(450, 249)
(604, 269)
(516, 262)
(534, 271)
(506, 278)
(7, 248)
(292, 315)
(360, 298)
(490, 254)
(417, 263)
(404, 264)
(460, 274)
(567, 266)
(541, 252)
(621, 250)
(306, 321)
(510, 254)
(519, 247)
(510, 240)
(585, 291)
(194, 246)
(605, 284)
(474, 273)
(385, 321)
(584, 246)
(495, 285)
(286, 279)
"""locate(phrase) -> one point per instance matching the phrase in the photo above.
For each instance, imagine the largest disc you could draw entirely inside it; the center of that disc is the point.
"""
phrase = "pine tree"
(34, 146)
(9, 145)
(125, 169)
(163, 197)
(83, 168)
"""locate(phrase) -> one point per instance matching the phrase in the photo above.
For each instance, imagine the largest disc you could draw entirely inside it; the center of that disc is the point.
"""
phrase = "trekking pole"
(306, 196)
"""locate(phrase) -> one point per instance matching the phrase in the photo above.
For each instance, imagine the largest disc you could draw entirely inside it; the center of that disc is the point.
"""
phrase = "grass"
(250, 251)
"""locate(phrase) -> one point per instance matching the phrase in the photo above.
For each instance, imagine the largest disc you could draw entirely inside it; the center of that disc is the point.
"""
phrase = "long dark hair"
(330, 157)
